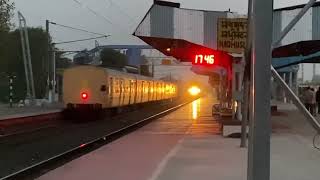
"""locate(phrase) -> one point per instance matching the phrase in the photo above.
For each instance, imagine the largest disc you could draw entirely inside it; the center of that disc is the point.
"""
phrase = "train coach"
(93, 88)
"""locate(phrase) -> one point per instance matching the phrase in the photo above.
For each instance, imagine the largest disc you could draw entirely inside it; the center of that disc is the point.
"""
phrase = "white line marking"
(165, 160)
(171, 154)
(162, 165)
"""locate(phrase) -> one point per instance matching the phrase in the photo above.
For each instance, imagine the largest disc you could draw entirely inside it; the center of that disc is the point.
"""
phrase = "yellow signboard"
(166, 62)
(232, 34)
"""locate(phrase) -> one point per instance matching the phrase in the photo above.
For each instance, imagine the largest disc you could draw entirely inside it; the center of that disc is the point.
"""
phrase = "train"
(88, 88)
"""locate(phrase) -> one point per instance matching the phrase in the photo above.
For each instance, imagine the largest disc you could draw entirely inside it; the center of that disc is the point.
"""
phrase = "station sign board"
(232, 34)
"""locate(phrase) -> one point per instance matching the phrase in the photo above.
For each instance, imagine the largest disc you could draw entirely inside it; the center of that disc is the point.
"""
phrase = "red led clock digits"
(204, 59)
(198, 59)
(209, 59)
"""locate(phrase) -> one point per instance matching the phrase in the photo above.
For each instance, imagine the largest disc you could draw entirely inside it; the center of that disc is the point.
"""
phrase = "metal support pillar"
(302, 72)
(49, 87)
(260, 125)
(48, 50)
(284, 99)
(54, 83)
(23, 47)
(33, 94)
(295, 83)
(290, 79)
(245, 109)
(246, 79)
(239, 101)
(290, 83)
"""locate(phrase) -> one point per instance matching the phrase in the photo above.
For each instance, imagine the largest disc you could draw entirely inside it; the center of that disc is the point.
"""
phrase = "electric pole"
(49, 89)
(26, 57)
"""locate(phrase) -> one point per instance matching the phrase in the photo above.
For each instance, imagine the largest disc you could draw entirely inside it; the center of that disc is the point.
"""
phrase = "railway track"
(21, 125)
(48, 164)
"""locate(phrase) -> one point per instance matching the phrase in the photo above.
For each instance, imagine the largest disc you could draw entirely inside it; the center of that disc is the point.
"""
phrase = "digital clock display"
(202, 59)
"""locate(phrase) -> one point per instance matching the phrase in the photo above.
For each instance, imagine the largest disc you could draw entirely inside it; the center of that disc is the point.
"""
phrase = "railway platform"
(187, 144)
(18, 112)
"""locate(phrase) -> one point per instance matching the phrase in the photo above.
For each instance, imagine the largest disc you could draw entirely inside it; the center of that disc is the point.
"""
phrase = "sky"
(117, 18)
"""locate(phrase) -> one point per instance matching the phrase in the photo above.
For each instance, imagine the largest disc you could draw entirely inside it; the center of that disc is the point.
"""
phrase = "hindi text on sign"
(232, 34)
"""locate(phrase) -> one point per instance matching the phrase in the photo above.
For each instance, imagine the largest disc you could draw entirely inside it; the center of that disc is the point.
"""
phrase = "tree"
(11, 62)
(61, 61)
(10, 54)
(6, 8)
(113, 58)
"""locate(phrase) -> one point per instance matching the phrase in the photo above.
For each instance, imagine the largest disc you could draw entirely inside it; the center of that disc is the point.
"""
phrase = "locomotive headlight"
(194, 91)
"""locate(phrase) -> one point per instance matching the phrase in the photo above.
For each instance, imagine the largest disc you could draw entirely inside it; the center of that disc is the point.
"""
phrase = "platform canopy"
(301, 44)
(183, 33)
(296, 53)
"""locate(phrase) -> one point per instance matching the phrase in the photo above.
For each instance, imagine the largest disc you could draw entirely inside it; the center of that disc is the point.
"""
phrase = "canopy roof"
(296, 53)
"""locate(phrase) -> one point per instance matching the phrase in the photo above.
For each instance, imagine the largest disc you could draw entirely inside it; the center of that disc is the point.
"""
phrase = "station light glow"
(194, 91)
(201, 59)
(194, 110)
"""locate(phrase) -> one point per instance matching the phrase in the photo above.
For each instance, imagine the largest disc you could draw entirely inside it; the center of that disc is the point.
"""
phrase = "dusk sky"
(119, 18)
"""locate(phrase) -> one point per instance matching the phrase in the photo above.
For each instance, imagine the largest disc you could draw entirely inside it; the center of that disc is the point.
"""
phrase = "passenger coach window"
(142, 86)
(111, 86)
(103, 88)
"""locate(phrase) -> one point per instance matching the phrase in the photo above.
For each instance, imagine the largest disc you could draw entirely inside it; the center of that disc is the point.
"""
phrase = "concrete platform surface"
(7, 113)
(187, 145)
(284, 106)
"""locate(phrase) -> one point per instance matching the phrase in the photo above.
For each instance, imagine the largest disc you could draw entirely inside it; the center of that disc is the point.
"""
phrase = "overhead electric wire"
(121, 10)
(73, 41)
(94, 12)
(100, 16)
(78, 29)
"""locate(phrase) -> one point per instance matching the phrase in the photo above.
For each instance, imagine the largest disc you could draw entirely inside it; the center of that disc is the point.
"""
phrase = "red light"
(201, 59)
(82, 145)
(84, 95)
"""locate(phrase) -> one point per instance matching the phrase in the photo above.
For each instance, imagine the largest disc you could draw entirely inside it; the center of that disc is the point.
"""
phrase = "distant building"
(133, 52)
(164, 65)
